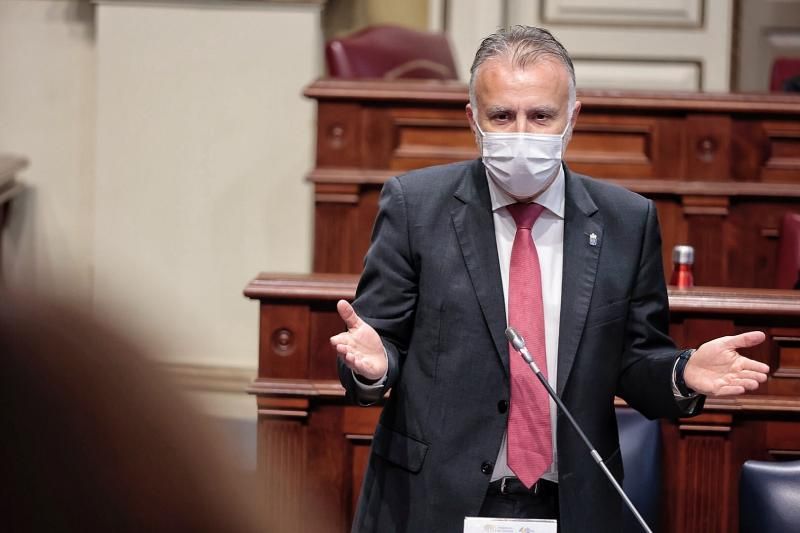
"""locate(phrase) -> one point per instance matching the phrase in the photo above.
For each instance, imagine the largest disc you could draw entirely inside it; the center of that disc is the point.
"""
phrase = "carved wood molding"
(331, 175)
(302, 286)
(705, 205)
(697, 299)
(337, 193)
(734, 301)
(456, 93)
(304, 388)
(718, 412)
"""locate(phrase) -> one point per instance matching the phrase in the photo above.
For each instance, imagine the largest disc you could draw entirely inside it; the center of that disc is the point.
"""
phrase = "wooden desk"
(313, 446)
(9, 188)
(721, 168)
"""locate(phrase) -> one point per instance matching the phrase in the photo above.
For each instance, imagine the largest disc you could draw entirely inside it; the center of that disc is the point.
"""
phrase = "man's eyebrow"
(498, 109)
(543, 109)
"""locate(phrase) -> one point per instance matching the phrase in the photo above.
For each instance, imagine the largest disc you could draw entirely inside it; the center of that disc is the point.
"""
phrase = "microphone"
(518, 343)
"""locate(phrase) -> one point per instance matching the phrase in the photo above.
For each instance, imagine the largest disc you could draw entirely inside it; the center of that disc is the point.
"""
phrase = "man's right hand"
(360, 347)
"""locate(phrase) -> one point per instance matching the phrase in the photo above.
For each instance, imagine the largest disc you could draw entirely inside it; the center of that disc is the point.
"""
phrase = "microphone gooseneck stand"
(518, 343)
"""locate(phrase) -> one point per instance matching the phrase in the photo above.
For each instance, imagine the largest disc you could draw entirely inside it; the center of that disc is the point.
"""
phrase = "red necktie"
(530, 445)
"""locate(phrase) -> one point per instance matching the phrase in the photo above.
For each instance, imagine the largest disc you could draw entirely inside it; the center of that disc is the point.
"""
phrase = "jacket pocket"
(399, 449)
(607, 313)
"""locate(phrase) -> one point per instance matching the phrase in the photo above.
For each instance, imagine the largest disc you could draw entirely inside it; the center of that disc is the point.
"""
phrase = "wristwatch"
(680, 383)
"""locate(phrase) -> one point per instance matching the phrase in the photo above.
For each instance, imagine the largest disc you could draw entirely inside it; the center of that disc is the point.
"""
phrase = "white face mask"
(522, 164)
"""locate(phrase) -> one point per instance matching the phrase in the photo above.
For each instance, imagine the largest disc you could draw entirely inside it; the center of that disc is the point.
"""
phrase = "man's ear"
(471, 118)
(575, 112)
(572, 121)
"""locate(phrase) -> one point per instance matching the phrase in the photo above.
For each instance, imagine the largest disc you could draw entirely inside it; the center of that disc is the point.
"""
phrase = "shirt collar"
(552, 198)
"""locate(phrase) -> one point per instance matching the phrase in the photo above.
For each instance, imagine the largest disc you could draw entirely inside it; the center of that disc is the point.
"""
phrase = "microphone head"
(515, 338)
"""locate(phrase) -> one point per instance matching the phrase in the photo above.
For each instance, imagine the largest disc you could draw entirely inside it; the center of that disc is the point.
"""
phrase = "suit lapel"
(474, 226)
(583, 238)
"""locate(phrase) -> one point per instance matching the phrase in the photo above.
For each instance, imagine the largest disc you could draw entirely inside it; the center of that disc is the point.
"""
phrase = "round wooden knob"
(283, 342)
(706, 149)
(336, 136)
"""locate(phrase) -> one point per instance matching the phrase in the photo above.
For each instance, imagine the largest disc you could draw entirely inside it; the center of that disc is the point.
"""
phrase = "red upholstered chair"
(783, 70)
(391, 52)
(788, 264)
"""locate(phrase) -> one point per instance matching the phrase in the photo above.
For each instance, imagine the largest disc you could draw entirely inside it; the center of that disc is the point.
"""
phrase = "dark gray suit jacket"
(431, 287)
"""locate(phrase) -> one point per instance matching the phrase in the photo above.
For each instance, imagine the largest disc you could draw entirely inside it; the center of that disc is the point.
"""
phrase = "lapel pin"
(593, 239)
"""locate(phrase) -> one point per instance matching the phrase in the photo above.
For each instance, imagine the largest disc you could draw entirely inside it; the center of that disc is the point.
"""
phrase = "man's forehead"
(503, 83)
(546, 66)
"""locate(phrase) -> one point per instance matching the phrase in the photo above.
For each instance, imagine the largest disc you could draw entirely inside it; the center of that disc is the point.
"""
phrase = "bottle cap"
(683, 254)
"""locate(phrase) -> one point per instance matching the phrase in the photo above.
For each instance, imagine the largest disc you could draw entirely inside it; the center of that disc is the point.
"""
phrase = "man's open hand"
(717, 369)
(360, 347)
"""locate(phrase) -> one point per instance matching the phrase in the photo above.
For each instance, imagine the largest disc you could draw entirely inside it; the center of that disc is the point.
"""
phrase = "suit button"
(502, 406)
(487, 467)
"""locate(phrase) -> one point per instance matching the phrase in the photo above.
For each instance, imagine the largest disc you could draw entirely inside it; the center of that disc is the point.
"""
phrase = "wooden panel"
(282, 472)
(625, 143)
(313, 447)
(339, 135)
(783, 149)
(787, 357)
(782, 439)
(721, 168)
(429, 136)
(283, 347)
(708, 141)
(325, 321)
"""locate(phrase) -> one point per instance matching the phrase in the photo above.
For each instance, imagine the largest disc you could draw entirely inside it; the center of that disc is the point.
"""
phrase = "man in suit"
(453, 261)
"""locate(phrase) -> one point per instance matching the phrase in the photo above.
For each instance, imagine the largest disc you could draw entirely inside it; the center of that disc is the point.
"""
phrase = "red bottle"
(682, 261)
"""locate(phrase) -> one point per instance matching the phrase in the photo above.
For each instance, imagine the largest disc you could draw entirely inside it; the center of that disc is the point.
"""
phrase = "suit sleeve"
(386, 297)
(645, 380)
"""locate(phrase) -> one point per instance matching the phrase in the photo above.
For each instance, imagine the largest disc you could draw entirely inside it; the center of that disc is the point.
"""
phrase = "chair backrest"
(769, 497)
(785, 74)
(640, 445)
(787, 271)
(391, 52)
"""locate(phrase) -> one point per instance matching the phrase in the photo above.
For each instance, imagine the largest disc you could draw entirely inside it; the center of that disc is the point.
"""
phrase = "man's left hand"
(717, 369)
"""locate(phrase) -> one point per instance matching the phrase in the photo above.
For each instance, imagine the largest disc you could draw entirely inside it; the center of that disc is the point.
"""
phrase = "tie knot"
(525, 214)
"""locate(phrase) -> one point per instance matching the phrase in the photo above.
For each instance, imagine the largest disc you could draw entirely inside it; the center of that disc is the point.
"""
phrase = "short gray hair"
(523, 45)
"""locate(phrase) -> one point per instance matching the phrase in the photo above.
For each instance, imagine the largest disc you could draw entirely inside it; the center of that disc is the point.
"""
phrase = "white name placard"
(473, 524)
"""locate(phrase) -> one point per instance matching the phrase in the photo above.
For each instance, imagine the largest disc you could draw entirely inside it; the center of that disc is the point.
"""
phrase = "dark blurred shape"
(785, 74)
(640, 446)
(769, 497)
(787, 270)
(391, 52)
(96, 439)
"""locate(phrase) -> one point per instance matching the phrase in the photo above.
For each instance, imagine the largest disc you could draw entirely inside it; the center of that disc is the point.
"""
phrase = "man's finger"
(746, 340)
(754, 375)
(348, 314)
(340, 338)
(751, 365)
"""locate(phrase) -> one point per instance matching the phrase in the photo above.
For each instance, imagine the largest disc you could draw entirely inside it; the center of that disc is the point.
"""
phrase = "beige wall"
(168, 144)
(47, 109)
(203, 142)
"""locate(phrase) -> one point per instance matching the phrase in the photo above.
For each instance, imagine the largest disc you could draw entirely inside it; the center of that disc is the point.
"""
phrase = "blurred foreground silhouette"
(96, 439)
